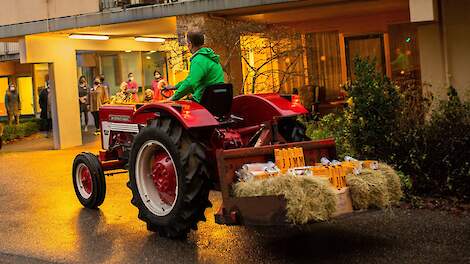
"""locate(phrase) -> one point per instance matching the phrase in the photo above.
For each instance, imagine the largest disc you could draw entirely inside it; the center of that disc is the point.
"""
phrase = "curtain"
(370, 47)
(324, 62)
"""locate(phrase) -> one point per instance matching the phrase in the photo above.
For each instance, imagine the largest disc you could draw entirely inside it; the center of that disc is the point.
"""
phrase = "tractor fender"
(190, 114)
(260, 108)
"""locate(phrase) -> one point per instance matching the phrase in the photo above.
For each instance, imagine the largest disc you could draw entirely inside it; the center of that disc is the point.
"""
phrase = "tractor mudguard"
(190, 114)
(259, 108)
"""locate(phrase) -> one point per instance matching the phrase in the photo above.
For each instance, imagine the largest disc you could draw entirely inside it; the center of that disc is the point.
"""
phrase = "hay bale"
(308, 198)
(359, 190)
(378, 195)
(393, 183)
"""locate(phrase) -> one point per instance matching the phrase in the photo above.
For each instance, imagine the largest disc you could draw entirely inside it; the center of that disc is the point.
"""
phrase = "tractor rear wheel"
(168, 179)
(88, 180)
(293, 130)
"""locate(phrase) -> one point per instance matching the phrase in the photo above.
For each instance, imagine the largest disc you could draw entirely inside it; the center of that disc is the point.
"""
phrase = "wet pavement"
(41, 221)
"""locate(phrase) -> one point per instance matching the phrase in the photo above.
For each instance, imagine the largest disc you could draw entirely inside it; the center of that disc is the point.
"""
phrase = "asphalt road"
(42, 222)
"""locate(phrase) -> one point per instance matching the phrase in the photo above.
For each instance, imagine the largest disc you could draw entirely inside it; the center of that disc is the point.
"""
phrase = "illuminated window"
(404, 52)
(324, 63)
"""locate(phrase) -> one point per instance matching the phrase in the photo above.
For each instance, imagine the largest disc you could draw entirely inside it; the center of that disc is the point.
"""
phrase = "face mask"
(131, 79)
(157, 76)
(12, 89)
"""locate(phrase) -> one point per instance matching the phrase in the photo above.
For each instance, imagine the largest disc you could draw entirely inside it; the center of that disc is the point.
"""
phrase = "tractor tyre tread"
(99, 181)
(195, 198)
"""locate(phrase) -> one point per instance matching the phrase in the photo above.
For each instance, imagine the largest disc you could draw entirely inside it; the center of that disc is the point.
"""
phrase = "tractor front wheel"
(88, 180)
(168, 179)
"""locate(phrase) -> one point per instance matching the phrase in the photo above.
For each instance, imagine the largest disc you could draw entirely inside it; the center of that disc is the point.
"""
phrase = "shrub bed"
(396, 124)
(22, 130)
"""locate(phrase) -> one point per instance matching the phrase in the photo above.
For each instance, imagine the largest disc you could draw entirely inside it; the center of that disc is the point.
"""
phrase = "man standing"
(12, 104)
(205, 69)
(43, 95)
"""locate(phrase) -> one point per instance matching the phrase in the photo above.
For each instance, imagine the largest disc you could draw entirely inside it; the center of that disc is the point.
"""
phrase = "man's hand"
(169, 100)
(169, 87)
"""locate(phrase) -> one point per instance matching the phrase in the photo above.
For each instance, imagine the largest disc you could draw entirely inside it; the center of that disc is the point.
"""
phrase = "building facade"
(283, 46)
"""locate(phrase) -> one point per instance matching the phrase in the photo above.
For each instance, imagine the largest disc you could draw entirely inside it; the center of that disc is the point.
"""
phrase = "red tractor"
(176, 153)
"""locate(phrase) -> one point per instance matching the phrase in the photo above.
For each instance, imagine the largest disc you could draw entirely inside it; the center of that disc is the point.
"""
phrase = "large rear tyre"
(292, 130)
(88, 180)
(168, 179)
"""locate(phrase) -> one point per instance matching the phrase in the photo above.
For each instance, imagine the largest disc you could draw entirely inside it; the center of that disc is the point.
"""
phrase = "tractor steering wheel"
(166, 89)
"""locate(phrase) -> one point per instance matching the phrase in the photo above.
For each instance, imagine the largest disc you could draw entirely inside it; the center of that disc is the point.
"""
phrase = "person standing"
(132, 87)
(13, 104)
(1, 135)
(98, 97)
(43, 95)
(83, 98)
(158, 83)
(105, 84)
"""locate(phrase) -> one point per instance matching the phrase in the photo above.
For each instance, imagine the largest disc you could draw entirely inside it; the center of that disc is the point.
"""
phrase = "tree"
(271, 56)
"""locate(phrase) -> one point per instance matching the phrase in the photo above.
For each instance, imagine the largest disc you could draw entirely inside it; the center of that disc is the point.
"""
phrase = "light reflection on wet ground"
(40, 219)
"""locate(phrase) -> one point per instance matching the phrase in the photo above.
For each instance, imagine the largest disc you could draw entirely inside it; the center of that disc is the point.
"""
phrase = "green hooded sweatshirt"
(205, 70)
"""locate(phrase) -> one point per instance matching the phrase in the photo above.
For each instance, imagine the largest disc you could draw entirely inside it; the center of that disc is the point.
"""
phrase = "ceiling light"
(89, 37)
(152, 51)
(128, 51)
(144, 39)
(148, 58)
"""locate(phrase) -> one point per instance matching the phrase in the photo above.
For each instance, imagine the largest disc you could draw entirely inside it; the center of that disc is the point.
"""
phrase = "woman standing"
(157, 85)
(132, 87)
(98, 97)
(83, 98)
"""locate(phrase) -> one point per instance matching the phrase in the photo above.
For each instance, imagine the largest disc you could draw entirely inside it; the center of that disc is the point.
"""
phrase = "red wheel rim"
(164, 177)
(85, 178)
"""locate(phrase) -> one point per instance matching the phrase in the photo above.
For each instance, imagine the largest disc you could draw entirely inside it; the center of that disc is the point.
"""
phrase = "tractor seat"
(217, 99)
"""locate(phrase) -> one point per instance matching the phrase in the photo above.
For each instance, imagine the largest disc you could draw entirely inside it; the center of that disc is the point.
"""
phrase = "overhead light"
(128, 51)
(89, 37)
(152, 51)
(148, 58)
(144, 39)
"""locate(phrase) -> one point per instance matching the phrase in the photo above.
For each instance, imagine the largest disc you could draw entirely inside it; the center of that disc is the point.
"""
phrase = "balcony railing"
(111, 4)
(8, 48)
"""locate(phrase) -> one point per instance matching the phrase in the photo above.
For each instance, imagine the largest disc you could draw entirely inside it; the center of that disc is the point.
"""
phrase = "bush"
(333, 125)
(395, 124)
(444, 154)
(19, 131)
(371, 119)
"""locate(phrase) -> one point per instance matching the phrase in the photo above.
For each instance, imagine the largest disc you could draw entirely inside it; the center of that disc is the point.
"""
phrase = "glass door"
(3, 89)
(25, 88)
(366, 46)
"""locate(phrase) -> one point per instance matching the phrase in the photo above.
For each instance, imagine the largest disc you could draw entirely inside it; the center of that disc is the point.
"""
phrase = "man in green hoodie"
(205, 69)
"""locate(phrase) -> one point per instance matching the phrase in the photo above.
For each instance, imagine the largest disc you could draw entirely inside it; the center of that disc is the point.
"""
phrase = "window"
(404, 52)
(3, 89)
(25, 89)
(272, 63)
(324, 63)
(116, 65)
(367, 46)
